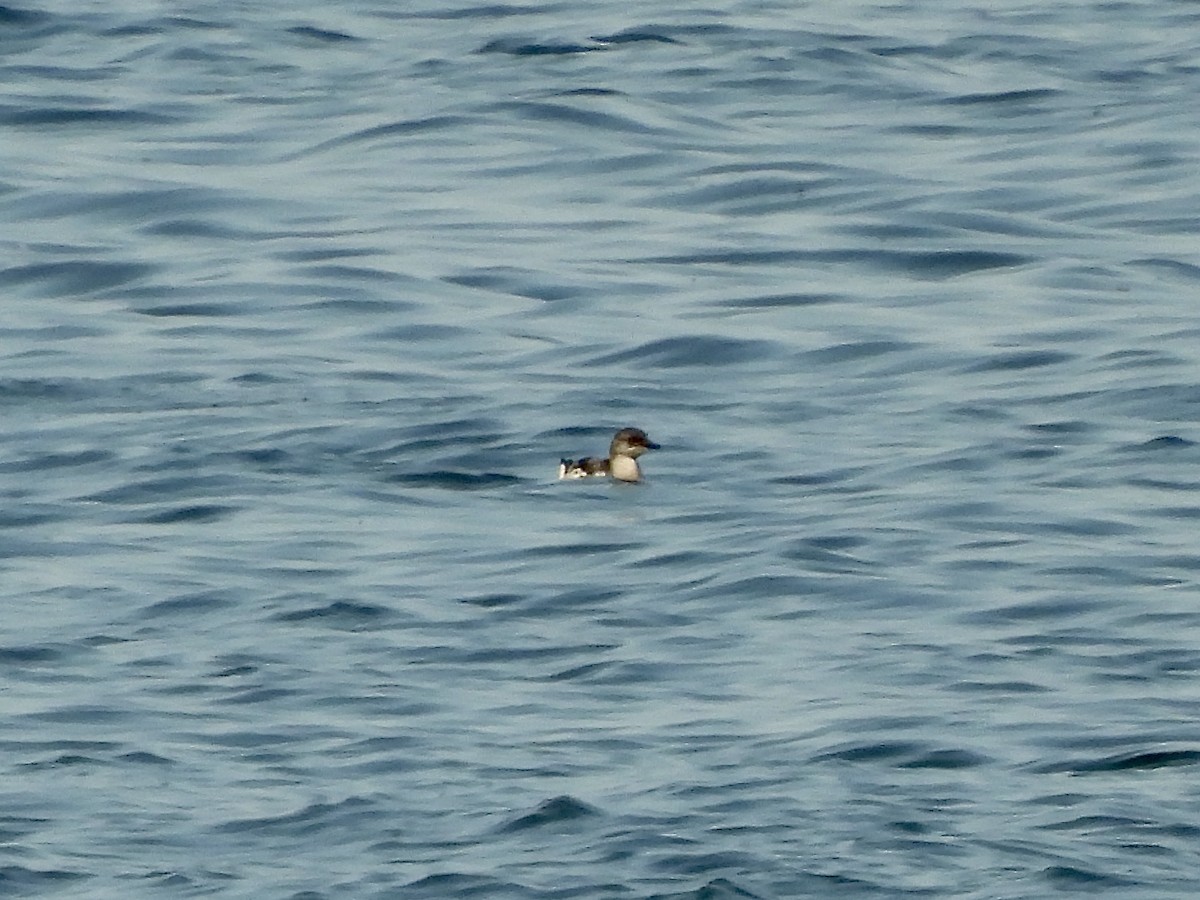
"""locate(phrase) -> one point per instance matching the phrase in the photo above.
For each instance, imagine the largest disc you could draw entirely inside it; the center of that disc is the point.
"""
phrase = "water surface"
(302, 309)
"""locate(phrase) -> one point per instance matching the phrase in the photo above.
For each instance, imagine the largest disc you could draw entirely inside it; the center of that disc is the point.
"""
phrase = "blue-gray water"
(302, 303)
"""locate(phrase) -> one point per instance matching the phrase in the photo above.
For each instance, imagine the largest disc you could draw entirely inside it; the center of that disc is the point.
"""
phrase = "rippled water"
(302, 307)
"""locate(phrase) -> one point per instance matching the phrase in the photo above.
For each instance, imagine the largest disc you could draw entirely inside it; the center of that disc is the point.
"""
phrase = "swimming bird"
(627, 445)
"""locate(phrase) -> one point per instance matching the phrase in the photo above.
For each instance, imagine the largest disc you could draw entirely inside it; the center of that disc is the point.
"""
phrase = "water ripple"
(304, 310)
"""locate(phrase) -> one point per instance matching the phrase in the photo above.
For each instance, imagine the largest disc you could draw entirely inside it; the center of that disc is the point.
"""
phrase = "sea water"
(302, 304)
